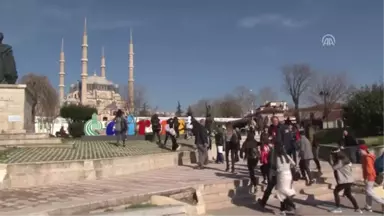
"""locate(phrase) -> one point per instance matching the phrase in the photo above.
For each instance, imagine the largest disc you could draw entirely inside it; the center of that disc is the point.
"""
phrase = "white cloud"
(271, 19)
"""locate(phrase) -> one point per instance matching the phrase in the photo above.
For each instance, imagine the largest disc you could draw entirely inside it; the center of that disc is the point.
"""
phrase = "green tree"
(189, 111)
(179, 111)
(363, 111)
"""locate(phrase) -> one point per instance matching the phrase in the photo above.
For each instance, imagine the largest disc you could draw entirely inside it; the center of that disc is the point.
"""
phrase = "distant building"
(333, 120)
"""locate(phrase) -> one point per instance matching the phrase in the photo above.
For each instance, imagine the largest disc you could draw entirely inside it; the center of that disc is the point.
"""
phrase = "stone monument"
(15, 99)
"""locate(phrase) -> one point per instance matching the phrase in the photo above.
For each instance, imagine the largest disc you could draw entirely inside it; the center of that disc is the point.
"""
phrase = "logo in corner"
(328, 40)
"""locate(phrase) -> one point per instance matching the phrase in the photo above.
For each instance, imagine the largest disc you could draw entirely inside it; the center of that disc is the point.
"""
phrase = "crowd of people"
(284, 152)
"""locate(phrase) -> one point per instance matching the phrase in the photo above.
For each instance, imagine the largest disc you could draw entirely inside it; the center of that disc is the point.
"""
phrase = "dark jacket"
(283, 137)
(200, 133)
(176, 123)
(232, 143)
(349, 140)
(155, 122)
(219, 138)
(264, 138)
(250, 149)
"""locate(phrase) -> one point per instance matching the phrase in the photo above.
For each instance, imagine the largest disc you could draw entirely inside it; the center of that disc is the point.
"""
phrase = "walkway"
(304, 208)
(27, 200)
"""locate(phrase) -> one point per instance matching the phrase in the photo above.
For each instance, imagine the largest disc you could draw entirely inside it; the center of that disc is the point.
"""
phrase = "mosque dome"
(98, 80)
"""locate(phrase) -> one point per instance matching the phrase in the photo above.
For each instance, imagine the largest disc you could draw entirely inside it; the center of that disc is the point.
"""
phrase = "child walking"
(219, 140)
(369, 175)
(342, 167)
(264, 168)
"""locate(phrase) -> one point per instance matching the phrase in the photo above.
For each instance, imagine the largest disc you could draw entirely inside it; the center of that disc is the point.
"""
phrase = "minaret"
(131, 94)
(61, 73)
(84, 65)
(102, 67)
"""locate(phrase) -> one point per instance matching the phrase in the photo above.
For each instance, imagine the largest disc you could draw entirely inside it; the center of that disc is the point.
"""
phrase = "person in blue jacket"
(379, 164)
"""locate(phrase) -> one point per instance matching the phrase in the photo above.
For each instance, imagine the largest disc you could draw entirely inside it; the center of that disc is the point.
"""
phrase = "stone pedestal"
(15, 109)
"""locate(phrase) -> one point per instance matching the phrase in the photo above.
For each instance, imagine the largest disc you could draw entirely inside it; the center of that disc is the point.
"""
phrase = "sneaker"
(264, 182)
(178, 148)
(359, 211)
(283, 213)
(368, 208)
(336, 210)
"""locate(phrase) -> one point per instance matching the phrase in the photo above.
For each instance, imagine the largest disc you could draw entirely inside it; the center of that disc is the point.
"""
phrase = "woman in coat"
(342, 167)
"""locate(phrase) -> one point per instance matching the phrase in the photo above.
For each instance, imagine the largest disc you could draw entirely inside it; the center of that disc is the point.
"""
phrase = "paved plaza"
(304, 208)
(82, 150)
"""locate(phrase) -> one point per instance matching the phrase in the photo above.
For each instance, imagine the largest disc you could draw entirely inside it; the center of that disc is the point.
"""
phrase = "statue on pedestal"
(8, 73)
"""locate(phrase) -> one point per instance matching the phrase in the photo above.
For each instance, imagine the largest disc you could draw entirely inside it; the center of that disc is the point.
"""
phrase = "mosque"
(96, 90)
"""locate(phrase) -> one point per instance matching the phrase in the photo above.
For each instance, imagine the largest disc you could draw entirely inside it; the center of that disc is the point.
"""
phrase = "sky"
(188, 50)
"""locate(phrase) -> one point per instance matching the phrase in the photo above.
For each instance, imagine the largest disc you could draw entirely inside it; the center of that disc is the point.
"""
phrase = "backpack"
(379, 168)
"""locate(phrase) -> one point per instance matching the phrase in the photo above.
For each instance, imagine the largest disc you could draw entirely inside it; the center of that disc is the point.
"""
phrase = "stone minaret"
(84, 65)
(102, 67)
(131, 93)
(61, 73)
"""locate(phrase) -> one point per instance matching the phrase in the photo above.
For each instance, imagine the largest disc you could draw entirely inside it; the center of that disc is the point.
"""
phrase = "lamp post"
(325, 94)
(252, 102)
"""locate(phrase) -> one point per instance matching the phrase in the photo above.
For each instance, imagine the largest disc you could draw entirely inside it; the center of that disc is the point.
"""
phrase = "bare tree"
(329, 89)
(140, 97)
(296, 79)
(45, 100)
(266, 94)
(229, 106)
(246, 98)
(199, 108)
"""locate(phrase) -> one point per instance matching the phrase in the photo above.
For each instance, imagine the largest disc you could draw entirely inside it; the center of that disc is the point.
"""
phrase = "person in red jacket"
(369, 175)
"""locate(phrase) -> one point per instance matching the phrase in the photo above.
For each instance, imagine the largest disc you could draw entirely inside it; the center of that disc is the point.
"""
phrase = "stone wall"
(12, 108)
(40, 173)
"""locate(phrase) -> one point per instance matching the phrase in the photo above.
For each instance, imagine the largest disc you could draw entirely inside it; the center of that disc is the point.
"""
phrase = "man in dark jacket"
(201, 142)
(352, 147)
(156, 128)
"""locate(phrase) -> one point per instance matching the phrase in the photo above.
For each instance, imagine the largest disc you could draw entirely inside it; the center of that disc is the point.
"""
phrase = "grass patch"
(141, 205)
(332, 136)
(5, 154)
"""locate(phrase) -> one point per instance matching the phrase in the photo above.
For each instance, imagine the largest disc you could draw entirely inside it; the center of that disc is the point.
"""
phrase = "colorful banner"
(93, 127)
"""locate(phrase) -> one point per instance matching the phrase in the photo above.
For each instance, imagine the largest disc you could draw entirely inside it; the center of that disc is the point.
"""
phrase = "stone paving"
(31, 199)
(304, 208)
(82, 150)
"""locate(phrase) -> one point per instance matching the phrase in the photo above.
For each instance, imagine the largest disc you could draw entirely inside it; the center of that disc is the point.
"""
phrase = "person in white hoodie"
(284, 188)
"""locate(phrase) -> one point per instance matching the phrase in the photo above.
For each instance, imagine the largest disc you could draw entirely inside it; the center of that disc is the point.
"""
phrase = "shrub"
(77, 113)
(76, 129)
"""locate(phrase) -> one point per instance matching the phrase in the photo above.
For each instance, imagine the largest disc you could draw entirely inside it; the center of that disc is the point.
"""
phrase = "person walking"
(306, 155)
(342, 167)
(264, 154)
(201, 142)
(121, 127)
(310, 134)
(278, 134)
(250, 152)
(284, 188)
(231, 147)
(219, 140)
(156, 128)
(369, 175)
(170, 133)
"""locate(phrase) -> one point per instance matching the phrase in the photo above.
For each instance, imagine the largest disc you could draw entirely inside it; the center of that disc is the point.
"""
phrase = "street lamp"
(325, 94)
(252, 102)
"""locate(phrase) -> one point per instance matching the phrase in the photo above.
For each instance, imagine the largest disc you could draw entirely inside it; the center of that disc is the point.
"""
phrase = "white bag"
(148, 130)
(220, 149)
